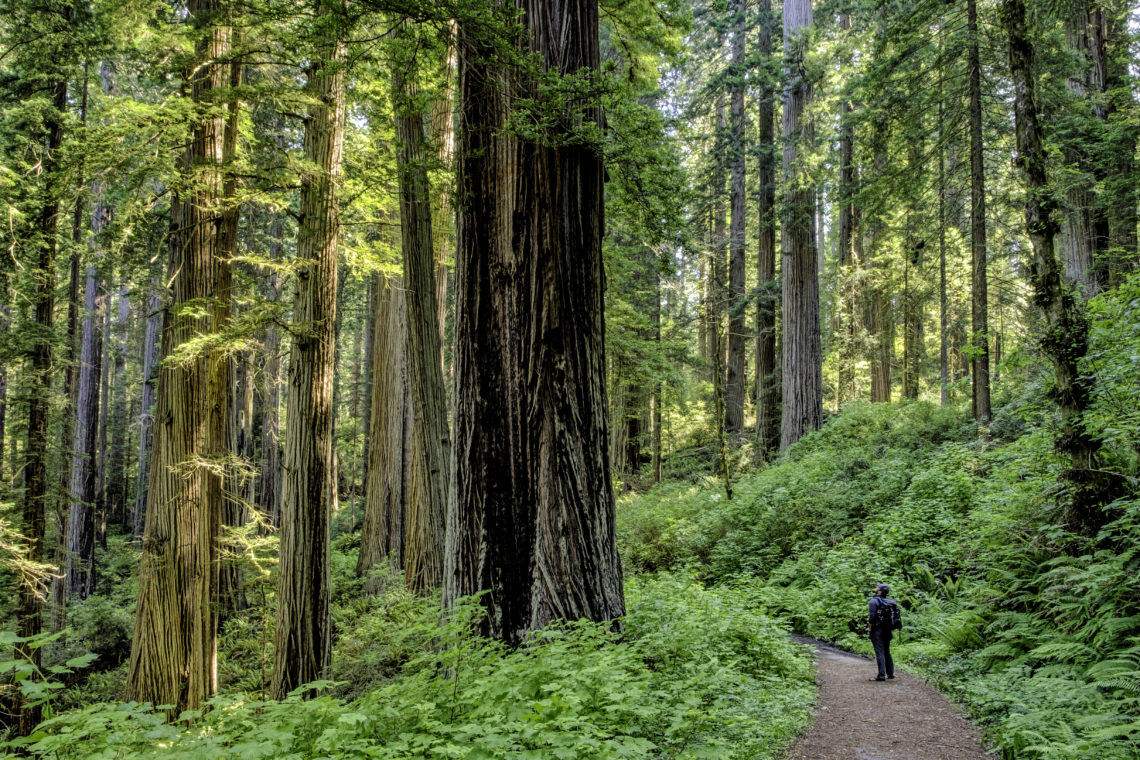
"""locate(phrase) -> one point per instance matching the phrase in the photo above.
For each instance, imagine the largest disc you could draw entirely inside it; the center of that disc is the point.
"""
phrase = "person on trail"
(881, 630)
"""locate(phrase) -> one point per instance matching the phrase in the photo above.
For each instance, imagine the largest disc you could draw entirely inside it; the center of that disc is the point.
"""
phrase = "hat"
(883, 587)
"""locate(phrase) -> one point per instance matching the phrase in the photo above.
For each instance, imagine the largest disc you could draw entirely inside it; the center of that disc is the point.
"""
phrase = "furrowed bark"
(174, 650)
(531, 518)
(431, 441)
(303, 644)
(767, 382)
(801, 364)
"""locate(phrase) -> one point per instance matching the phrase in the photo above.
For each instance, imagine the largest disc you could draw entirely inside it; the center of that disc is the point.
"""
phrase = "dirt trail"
(860, 719)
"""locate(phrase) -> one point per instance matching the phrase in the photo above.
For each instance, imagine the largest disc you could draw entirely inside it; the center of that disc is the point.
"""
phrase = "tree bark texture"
(979, 299)
(81, 520)
(150, 348)
(880, 323)
(42, 249)
(382, 532)
(431, 440)
(734, 377)
(767, 379)
(302, 646)
(801, 365)
(531, 518)
(174, 650)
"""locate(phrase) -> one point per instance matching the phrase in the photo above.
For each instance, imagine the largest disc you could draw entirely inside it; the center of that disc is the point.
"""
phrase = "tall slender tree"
(734, 383)
(767, 382)
(303, 641)
(801, 364)
(979, 299)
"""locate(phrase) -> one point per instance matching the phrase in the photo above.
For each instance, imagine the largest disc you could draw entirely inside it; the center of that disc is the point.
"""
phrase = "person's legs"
(887, 655)
(881, 653)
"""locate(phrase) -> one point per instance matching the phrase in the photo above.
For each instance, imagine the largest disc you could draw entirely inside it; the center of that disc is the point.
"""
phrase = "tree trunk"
(880, 323)
(734, 379)
(269, 490)
(174, 650)
(979, 302)
(81, 523)
(117, 415)
(1065, 340)
(146, 406)
(531, 518)
(382, 532)
(369, 339)
(239, 399)
(42, 248)
(767, 381)
(801, 365)
(302, 647)
(431, 446)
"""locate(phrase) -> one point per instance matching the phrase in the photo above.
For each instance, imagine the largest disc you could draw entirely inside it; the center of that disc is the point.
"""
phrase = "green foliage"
(1035, 629)
(697, 673)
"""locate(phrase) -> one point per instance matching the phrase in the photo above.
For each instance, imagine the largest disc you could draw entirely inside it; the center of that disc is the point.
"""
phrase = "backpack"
(888, 614)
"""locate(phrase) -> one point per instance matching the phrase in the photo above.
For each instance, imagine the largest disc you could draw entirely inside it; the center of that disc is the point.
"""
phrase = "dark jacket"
(872, 610)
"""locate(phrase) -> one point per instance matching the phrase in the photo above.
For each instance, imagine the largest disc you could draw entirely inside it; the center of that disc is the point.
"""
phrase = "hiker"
(883, 619)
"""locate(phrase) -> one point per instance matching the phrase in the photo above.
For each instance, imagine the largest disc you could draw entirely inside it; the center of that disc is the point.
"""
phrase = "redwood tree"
(531, 517)
(303, 643)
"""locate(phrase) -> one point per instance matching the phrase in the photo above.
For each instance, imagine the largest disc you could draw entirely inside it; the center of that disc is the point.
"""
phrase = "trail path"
(859, 719)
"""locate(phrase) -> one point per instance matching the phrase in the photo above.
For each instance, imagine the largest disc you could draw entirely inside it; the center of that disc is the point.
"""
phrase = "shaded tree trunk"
(81, 522)
(150, 357)
(767, 380)
(1065, 340)
(531, 518)
(431, 440)
(303, 645)
(269, 490)
(382, 532)
(801, 365)
(734, 383)
(979, 300)
(41, 251)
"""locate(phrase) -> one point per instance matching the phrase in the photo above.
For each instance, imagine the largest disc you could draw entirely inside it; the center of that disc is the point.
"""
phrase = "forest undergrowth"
(695, 672)
(1032, 627)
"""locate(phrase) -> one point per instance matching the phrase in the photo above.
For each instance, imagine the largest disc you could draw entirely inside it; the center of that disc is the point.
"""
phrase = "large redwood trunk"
(802, 356)
(303, 643)
(174, 649)
(531, 518)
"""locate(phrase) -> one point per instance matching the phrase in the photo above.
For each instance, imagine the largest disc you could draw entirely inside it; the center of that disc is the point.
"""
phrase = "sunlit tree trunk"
(174, 649)
(303, 644)
(531, 518)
